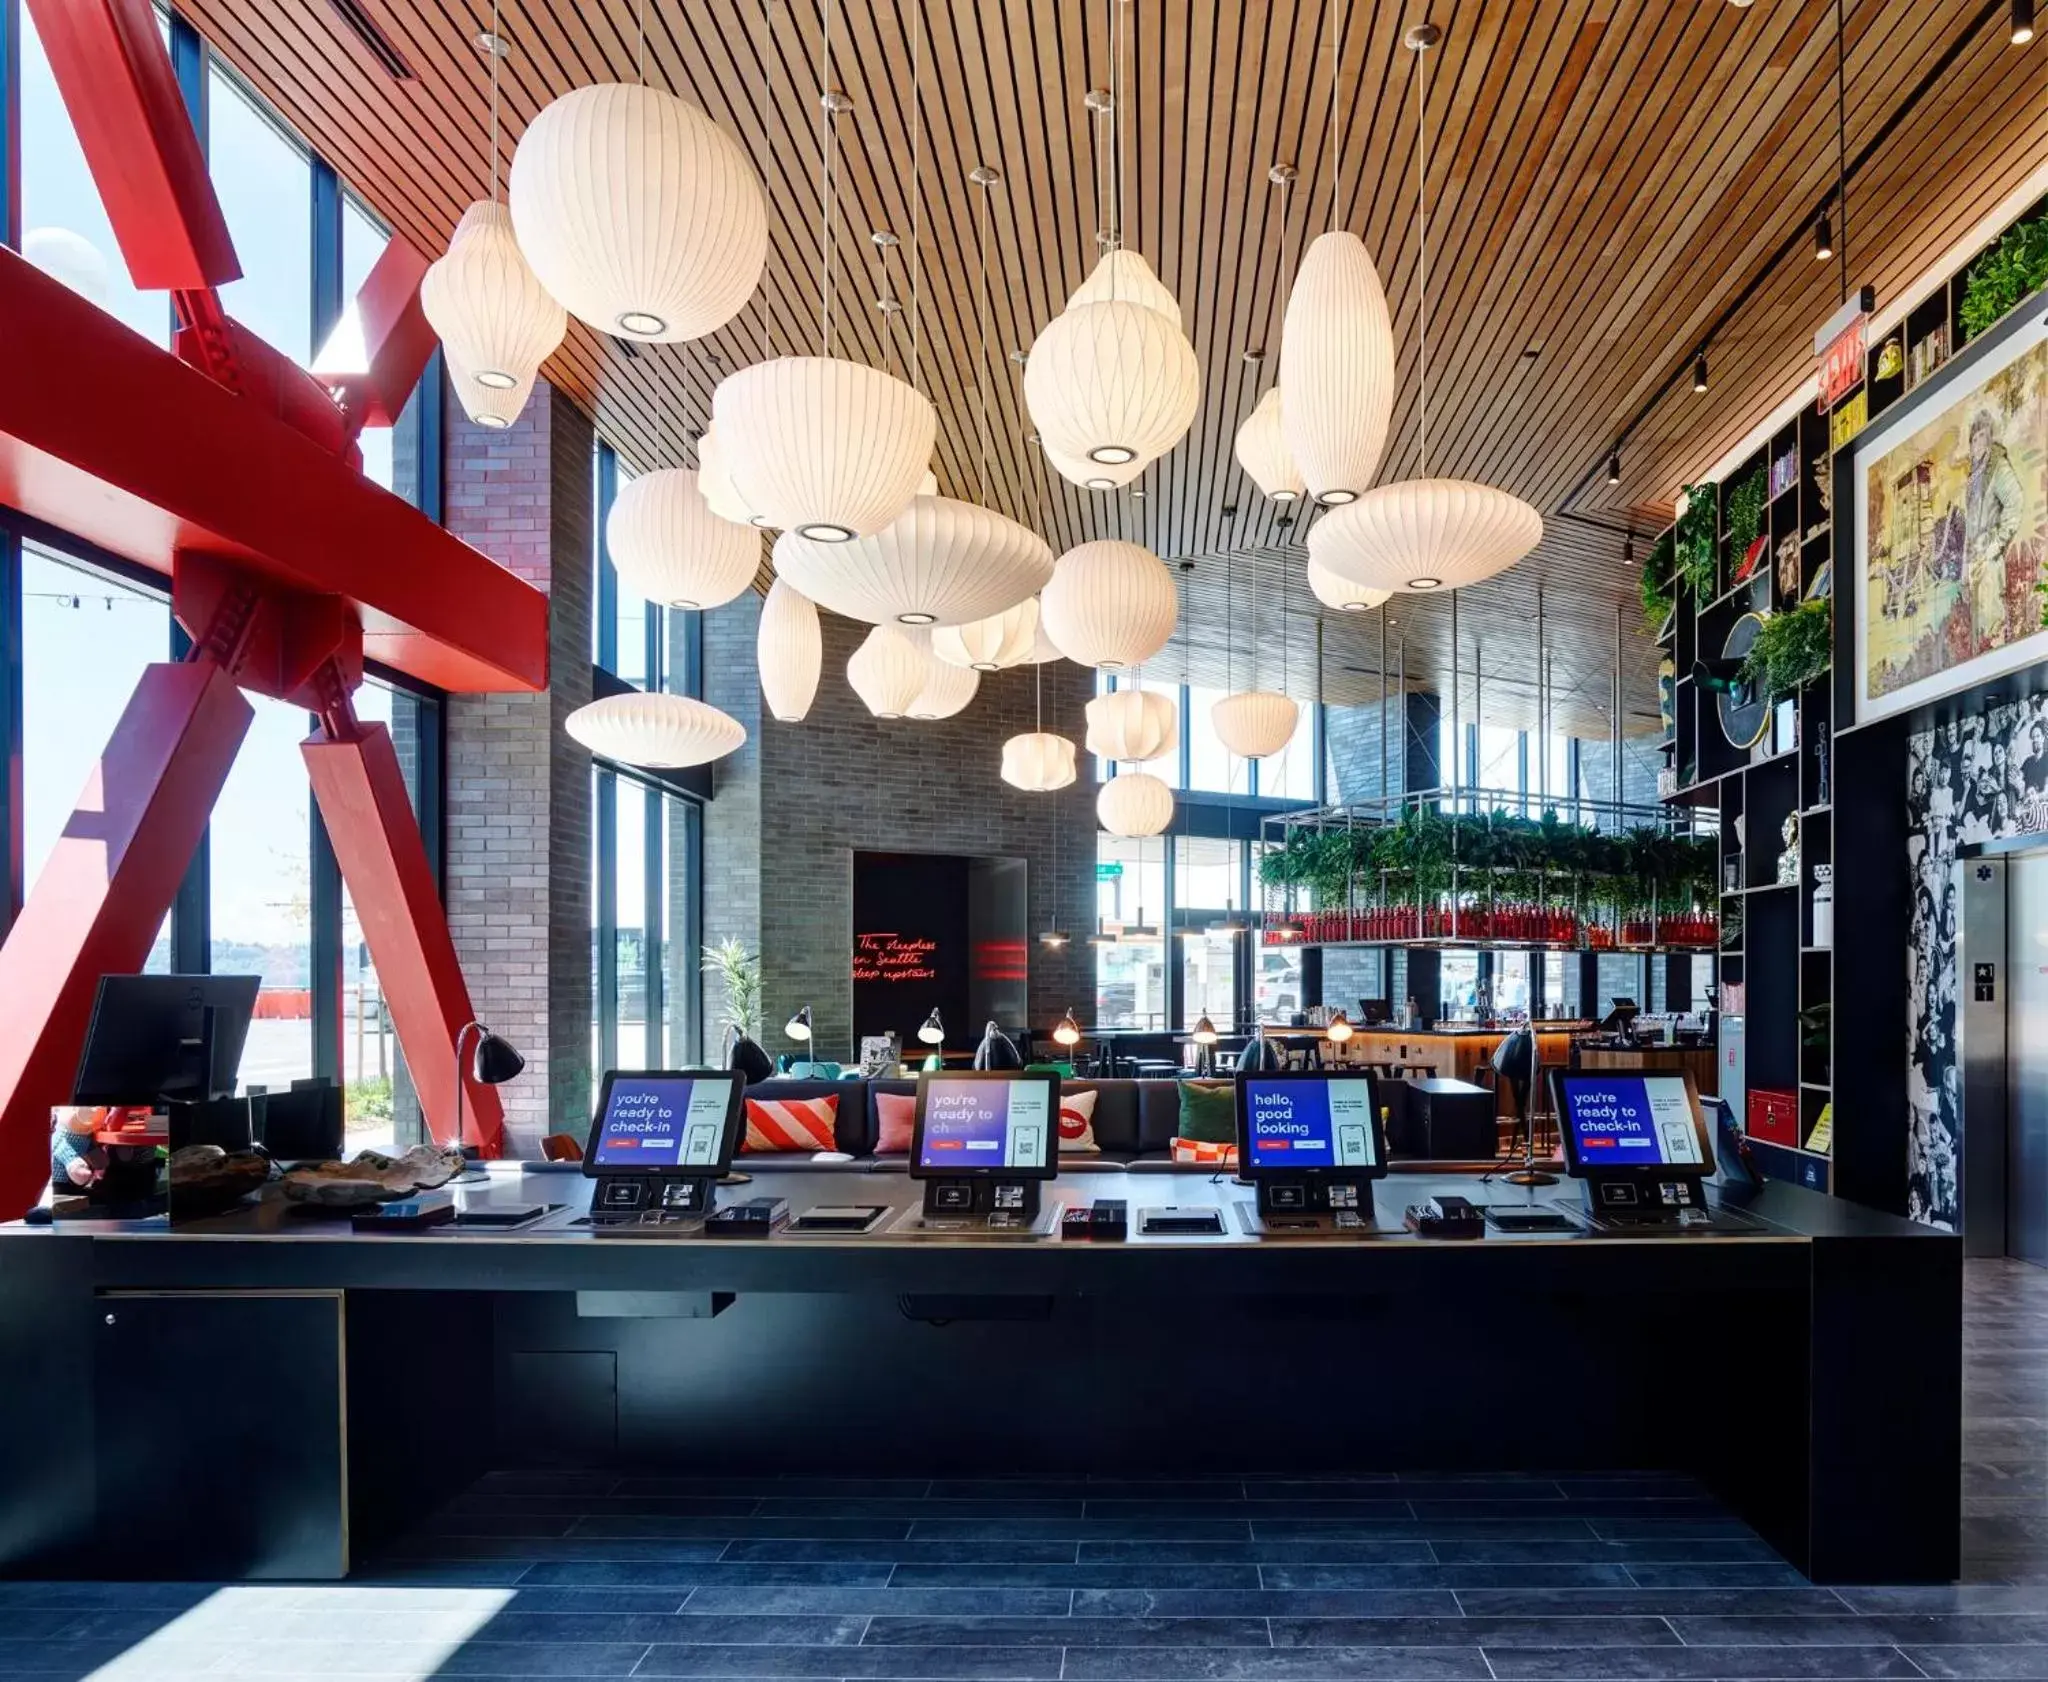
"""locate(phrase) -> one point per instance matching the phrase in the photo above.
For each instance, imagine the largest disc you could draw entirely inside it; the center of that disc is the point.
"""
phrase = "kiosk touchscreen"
(1311, 1144)
(661, 1140)
(1639, 1141)
(984, 1142)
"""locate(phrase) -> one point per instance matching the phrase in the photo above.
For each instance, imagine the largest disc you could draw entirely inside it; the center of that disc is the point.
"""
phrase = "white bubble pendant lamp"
(940, 562)
(789, 649)
(669, 547)
(1336, 369)
(638, 212)
(1256, 723)
(1092, 475)
(1137, 725)
(1112, 383)
(1110, 604)
(1263, 454)
(496, 322)
(947, 690)
(888, 671)
(717, 485)
(1038, 762)
(1134, 803)
(655, 731)
(991, 644)
(1340, 593)
(1043, 649)
(1125, 275)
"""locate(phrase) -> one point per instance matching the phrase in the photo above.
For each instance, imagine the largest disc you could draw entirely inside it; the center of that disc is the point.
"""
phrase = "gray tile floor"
(1467, 1579)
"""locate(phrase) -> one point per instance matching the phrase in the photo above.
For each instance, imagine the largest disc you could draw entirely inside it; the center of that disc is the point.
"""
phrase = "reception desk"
(266, 1394)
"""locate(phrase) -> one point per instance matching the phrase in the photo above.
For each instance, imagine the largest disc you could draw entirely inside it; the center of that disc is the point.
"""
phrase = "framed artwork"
(1950, 521)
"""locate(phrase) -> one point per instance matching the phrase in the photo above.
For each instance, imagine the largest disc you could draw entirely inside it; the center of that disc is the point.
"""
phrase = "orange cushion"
(791, 1124)
(895, 1112)
(1202, 1150)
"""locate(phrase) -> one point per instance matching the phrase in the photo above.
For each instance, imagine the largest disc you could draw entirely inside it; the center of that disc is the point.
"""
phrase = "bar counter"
(315, 1391)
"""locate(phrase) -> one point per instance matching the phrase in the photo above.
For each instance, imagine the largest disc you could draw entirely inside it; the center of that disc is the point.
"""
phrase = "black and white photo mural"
(1980, 779)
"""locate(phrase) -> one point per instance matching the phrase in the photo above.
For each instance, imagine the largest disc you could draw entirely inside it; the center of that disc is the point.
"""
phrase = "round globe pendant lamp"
(496, 323)
(947, 690)
(888, 671)
(1126, 276)
(1134, 803)
(638, 212)
(1136, 725)
(1092, 475)
(1110, 604)
(1255, 723)
(1112, 383)
(1263, 454)
(717, 485)
(991, 644)
(1038, 762)
(669, 547)
(940, 562)
(1340, 593)
(789, 649)
(655, 731)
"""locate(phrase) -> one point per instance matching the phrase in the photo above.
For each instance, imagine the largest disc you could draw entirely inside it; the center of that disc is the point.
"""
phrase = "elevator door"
(2026, 1040)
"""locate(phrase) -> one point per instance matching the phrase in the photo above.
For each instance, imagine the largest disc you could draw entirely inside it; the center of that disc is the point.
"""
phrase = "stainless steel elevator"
(2001, 1053)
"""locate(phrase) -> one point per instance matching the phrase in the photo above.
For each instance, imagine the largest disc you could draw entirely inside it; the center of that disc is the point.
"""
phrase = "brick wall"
(518, 795)
(732, 818)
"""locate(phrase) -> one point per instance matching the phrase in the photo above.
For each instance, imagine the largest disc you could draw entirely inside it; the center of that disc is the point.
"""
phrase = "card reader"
(757, 1217)
(1181, 1222)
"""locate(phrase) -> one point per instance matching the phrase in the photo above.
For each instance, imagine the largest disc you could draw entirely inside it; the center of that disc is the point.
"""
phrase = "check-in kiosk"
(1639, 1142)
(984, 1143)
(661, 1141)
(1311, 1145)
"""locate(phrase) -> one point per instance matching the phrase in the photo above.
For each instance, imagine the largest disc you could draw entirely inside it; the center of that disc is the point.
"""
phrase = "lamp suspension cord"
(1336, 155)
(826, 132)
(497, 51)
(981, 376)
(1842, 141)
(916, 192)
(642, 28)
(767, 134)
(1422, 241)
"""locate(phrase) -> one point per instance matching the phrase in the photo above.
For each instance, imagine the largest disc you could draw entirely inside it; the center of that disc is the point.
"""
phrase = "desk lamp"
(798, 1027)
(493, 1061)
(1067, 1032)
(933, 1034)
(1339, 1029)
(1205, 1039)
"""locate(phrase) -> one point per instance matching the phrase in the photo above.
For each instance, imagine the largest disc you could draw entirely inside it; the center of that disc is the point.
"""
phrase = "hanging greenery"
(1655, 584)
(2008, 272)
(1746, 512)
(1792, 648)
(1694, 538)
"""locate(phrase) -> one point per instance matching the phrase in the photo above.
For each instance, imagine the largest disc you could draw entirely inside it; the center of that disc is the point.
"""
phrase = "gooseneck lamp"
(798, 1027)
(934, 1031)
(1068, 1032)
(493, 1060)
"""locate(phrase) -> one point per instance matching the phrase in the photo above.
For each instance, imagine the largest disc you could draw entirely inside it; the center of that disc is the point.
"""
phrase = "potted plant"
(1655, 585)
(740, 972)
(2016, 266)
(1746, 535)
(1693, 541)
(1792, 648)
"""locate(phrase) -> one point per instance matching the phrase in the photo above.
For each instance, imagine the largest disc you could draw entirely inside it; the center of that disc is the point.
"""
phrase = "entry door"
(2026, 1040)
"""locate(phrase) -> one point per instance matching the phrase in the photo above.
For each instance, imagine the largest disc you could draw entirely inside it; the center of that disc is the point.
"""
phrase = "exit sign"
(1108, 872)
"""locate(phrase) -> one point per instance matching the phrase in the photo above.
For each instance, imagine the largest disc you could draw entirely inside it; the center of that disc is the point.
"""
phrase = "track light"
(1699, 372)
(1614, 467)
(2022, 22)
(1823, 237)
(1628, 550)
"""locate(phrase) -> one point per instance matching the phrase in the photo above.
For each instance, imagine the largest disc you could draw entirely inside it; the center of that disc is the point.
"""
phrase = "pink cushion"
(894, 1111)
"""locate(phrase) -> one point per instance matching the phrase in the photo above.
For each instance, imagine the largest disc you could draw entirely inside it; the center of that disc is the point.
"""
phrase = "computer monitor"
(165, 1038)
(1620, 1018)
(1320, 1124)
(1375, 1013)
(1617, 1123)
(673, 1122)
(994, 1124)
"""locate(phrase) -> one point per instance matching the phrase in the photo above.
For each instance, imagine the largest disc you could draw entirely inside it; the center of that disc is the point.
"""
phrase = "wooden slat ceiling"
(1606, 181)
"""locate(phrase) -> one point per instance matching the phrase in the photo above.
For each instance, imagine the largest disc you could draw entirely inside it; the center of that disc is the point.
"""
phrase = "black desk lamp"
(493, 1061)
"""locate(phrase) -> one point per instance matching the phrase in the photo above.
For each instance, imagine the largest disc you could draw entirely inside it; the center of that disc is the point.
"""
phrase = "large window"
(1211, 766)
(1458, 983)
(264, 180)
(1207, 884)
(1290, 774)
(1130, 895)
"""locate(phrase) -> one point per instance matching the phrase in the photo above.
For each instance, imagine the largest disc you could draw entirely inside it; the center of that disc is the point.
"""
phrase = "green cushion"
(1208, 1111)
(1064, 1070)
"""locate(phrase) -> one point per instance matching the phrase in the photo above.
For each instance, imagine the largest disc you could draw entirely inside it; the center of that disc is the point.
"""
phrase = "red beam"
(110, 437)
(103, 894)
(397, 339)
(377, 843)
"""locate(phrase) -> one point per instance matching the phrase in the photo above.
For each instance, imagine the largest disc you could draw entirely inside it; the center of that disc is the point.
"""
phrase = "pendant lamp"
(1112, 383)
(1043, 649)
(1263, 454)
(669, 547)
(1340, 593)
(789, 649)
(655, 731)
(1110, 604)
(947, 690)
(638, 212)
(1125, 275)
(940, 562)
(1134, 803)
(1092, 475)
(1336, 369)
(888, 671)
(1038, 762)
(1135, 725)
(717, 485)
(1256, 723)
(989, 645)
(496, 323)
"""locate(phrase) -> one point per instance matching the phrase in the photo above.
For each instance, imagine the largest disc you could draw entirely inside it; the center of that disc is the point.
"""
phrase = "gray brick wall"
(732, 818)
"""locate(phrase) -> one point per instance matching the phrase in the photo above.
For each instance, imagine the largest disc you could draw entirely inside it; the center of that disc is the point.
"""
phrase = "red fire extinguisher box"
(1774, 1116)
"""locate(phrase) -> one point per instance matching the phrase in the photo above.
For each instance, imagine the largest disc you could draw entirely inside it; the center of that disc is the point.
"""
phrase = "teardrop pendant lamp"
(789, 650)
(669, 547)
(947, 690)
(1126, 275)
(1110, 604)
(1263, 454)
(991, 644)
(1339, 593)
(1136, 725)
(888, 671)
(655, 731)
(1134, 803)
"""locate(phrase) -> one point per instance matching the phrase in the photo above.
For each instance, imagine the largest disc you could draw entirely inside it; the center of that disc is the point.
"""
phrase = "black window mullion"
(654, 871)
(192, 910)
(605, 875)
(13, 816)
(324, 231)
(607, 604)
(10, 123)
(329, 960)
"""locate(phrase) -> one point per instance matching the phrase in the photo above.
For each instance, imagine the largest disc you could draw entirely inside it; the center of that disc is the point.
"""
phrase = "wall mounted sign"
(1839, 347)
(891, 957)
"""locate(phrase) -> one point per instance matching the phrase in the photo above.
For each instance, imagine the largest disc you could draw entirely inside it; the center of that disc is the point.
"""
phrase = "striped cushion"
(1204, 1150)
(1077, 1123)
(790, 1124)
(895, 1114)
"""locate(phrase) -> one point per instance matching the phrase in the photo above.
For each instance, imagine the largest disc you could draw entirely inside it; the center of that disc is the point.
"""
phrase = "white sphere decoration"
(1255, 723)
(716, 483)
(939, 562)
(1133, 724)
(888, 671)
(655, 731)
(1123, 276)
(989, 645)
(1092, 475)
(1112, 383)
(947, 690)
(789, 649)
(73, 259)
(1340, 593)
(830, 450)
(638, 212)
(1425, 534)
(1134, 803)
(1337, 369)
(1038, 762)
(669, 547)
(1263, 454)
(1110, 604)
(495, 320)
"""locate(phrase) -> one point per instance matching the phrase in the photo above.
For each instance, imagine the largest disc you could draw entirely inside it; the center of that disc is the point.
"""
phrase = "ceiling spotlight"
(1230, 511)
(883, 238)
(2022, 22)
(1823, 237)
(1699, 372)
(1614, 467)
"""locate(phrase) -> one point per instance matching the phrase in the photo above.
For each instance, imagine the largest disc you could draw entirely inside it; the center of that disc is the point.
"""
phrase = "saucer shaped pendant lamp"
(1038, 762)
(1340, 593)
(1336, 369)
(654, 731)
(669, 547)
(940, 562)
(638, 212)
(1110, 604)
(1133, 724)
(1134, 803)
(496, 322)
(1092, 475)
(1043, 649)
(1124, 275)
(947, 690)
(888, 671)
(790, 651)
(1255, 723)
(1263, 454)
(1112, 383)
(716, 483)
(991, 644)
(827, 449)
(1425, 534)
